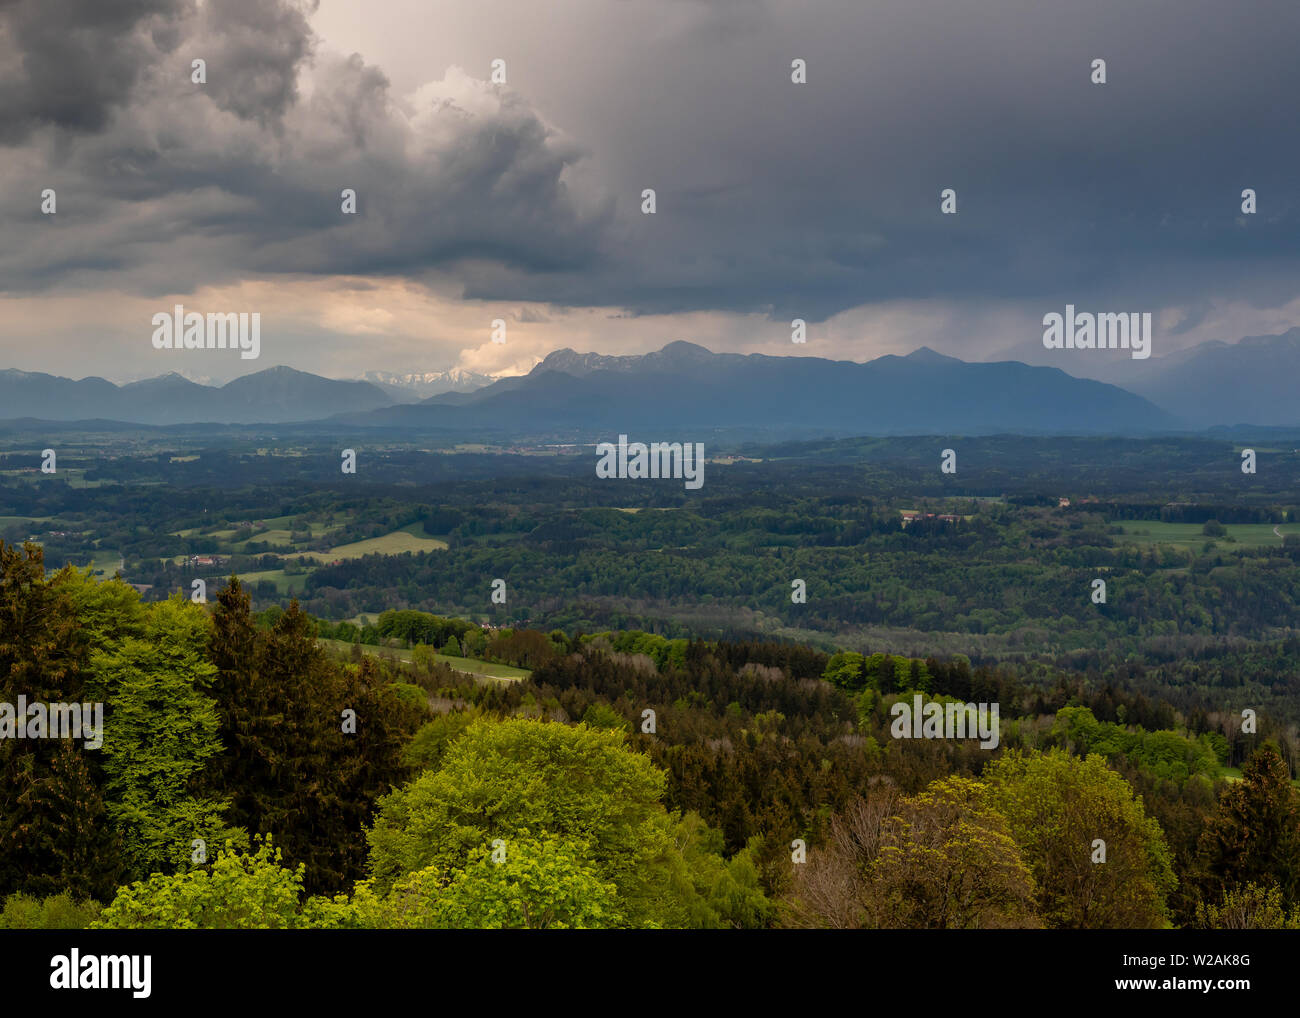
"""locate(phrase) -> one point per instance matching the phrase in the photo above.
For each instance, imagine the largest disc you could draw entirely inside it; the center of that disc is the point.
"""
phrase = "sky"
(522, 201)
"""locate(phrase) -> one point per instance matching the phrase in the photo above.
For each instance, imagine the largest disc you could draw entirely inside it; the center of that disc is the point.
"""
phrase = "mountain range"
(1253, 381)
(412, 386)
(685, 386)
(272, 396)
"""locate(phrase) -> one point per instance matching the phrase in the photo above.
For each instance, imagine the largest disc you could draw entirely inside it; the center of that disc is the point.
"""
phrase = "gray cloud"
(68, 63)
(255, 49)
(188, 184)
(796, 200)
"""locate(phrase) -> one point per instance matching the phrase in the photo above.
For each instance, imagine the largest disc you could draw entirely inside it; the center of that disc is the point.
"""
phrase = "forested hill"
(250, 774)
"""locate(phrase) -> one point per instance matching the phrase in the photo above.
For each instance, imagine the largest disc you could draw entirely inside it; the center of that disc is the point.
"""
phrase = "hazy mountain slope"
(275, 395)
(1254, 381)
(686, 386)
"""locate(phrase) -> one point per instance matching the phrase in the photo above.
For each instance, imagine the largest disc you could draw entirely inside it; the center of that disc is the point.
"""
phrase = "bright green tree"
(946, 861)
(429, 743)
(55, 912)
(520, 779)
(539, 884)
(729, 891)
(846, 670)
(107, 612)
(601, 715)
(1064, 812)
(1251, 907)
(236, 891)
(163, 731)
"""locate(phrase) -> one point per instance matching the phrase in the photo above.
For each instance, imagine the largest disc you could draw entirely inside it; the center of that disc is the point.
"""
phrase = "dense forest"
(1199, 561)
(271, 769)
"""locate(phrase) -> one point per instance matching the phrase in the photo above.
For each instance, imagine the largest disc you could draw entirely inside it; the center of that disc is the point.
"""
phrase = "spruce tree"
(1255, 834)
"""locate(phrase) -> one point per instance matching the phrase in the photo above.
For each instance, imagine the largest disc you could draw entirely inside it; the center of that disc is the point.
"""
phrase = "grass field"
(1188, 535)
(74, 476)
(286, 524)
(486, 669)
(103, 561)
(277, 537)
(412, 538)
(1234, 774)
(279, 531)
(283, 584)
(652, 508)
(279, 522)
(468, 665)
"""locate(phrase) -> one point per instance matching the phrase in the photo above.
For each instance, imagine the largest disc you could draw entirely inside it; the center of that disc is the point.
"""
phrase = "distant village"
(909, 515)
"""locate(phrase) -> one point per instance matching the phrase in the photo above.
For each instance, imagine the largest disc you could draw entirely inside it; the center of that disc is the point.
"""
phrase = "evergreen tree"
(67, 843)
(53, 836)
(1255, 834)
(291, 770)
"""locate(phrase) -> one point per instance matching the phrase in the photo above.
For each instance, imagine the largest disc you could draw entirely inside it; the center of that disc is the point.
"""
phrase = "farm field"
(105, 562)
(412, 539)
(1188, 535)
(285, 585)
(468, 665)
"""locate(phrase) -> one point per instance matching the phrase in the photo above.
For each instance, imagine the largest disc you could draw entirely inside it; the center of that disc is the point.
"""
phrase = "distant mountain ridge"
(686, 386)
(1253, 381)
(411, 386)
(676, 355)
(275, 395)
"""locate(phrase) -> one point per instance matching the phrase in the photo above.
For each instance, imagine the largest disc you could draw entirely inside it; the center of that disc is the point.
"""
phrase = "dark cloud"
(795, 200)
(68, 63)
(193, 184)
(254, 49)
(1126, 191)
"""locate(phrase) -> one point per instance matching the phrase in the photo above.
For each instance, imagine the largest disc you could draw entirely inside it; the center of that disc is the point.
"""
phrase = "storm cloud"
(172, 183)
(782, 199)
